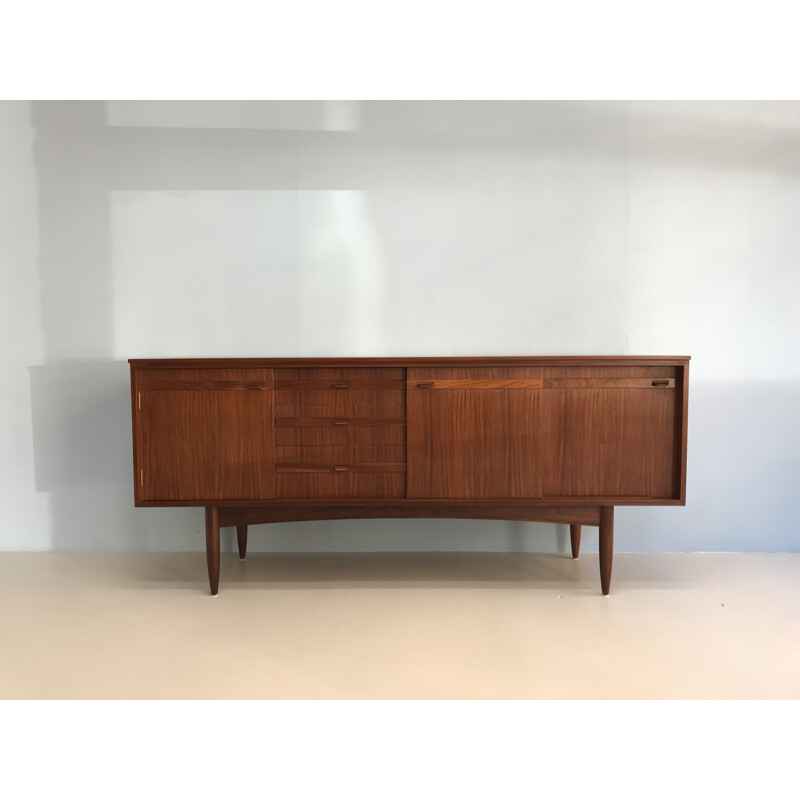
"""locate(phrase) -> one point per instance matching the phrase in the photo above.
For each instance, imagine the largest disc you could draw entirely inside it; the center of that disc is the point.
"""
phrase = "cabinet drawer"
(334, 467)
(340, 374)
(339, 422)
(320, 393)
(340, 454)
(343, 435)
(340, 397)
(321, 485)
(343, 410)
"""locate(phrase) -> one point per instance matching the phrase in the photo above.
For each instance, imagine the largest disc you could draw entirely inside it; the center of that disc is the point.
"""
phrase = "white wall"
(24, 512)
(275, 229)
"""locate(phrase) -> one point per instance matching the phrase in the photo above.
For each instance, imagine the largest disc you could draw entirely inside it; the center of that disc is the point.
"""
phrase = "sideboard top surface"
(494, 361)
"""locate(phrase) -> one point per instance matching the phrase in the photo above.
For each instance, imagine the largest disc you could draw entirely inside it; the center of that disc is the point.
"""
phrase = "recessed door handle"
(425, 385)
(341, 468)
(664, 382)
(341, 422)
(340, 386)
(254, 386)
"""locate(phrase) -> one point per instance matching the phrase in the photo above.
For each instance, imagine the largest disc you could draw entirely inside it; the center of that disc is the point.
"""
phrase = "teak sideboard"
(547, 439)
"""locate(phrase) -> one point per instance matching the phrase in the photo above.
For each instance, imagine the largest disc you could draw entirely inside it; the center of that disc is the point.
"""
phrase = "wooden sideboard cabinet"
(542, 439)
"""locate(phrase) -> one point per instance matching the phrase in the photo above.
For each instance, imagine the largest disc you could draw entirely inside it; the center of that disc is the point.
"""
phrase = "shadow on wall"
(81, 396)
(83, 456)
(81, 413)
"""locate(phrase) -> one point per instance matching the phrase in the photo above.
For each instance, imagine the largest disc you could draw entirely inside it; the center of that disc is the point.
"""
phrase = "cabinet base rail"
(575, 517)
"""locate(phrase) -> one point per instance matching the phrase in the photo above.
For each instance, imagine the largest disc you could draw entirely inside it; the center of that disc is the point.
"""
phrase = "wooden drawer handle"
(425, 385)
(254, 386)
(340, 386)
(341, 422)
(664, 382)
(341, 468)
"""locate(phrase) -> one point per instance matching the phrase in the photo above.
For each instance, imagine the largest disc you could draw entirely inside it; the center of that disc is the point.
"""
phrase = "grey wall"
(301, 229)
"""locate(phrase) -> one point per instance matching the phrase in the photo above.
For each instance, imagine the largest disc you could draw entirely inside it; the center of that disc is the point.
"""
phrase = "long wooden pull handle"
(425, 385)
(341, 468)
(340, 386)
(341, 422)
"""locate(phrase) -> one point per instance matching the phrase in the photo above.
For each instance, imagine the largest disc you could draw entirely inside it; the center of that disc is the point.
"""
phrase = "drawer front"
(319, 393)
(340, 432)
(339, 422)
(341, 408)
(340, 435)
(340, 454)
(345, 392)
(340, 374)
(357, 485)
(336, 467)
(349, 402)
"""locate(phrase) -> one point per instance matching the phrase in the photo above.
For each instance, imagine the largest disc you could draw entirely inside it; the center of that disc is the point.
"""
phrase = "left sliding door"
(204, 435)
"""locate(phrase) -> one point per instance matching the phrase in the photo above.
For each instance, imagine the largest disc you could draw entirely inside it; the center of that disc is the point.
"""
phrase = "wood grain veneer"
(327, 372)
(476, 383)
(556, 439)
(352, 485)
(340, 454)
(341, 408)
(294, 511)
(205, 445)
(212, 547)
(468, 442)
(341, 420)
(608, 442)
(337, 384)
(341, 466)
(347, 435)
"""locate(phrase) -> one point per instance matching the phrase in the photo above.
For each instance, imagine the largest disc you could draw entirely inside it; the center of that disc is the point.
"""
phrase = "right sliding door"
(609, 432)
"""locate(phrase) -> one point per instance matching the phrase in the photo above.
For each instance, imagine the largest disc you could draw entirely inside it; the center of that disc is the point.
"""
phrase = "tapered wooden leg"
(575, 539)
(241, 538)
(212, 548)
(606, 546)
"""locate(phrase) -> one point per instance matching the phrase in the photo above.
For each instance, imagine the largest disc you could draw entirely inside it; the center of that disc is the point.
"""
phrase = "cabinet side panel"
(135, 435)
(609, 442)
(681, 432)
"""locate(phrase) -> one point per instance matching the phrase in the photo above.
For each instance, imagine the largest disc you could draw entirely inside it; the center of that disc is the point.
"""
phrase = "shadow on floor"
(374, 570)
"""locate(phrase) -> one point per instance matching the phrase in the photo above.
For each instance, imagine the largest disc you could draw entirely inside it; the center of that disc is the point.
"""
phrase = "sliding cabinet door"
(610, 432)
(472, 432)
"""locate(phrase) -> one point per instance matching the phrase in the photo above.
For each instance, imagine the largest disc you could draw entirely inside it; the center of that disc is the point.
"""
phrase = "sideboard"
(550, 439)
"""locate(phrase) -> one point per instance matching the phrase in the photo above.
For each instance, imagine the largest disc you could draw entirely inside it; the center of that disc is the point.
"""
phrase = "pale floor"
(399, 626)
